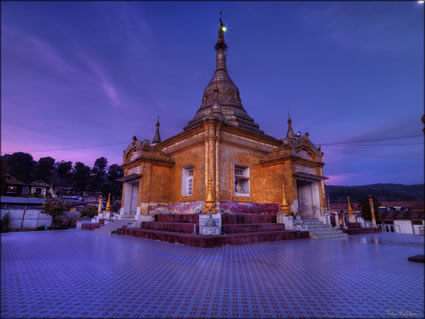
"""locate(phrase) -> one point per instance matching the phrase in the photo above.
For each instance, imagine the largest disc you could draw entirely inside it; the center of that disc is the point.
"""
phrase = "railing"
(389, 228)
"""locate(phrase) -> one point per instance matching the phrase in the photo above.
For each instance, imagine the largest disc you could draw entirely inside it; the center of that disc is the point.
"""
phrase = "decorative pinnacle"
(157, 138)
(284, 205)
(209, 202)
(99, 208)
(108, 204)
(290, 132)
(349, 209)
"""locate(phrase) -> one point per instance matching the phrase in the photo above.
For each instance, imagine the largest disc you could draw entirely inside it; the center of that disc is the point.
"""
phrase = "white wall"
(33, 218)
(417, 228)
(405, 226)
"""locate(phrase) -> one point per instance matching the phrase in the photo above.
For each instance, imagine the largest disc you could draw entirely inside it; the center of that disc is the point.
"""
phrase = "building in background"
(406, 217)
(15, 187)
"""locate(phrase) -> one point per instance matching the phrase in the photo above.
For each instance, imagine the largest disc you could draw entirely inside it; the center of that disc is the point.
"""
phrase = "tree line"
(382, 192)
(64, 174)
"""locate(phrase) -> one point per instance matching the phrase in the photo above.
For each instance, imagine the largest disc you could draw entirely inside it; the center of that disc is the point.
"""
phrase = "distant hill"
(383, 192)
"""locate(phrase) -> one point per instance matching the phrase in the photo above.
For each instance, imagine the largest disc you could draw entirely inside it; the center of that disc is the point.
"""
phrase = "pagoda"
(222, 162)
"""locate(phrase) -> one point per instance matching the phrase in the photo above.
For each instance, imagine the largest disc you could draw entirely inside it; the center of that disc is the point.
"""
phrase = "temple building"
(223, 162)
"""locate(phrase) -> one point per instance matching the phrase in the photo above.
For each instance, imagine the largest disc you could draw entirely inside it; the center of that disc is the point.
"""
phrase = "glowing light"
(224, 29)
(421, 1)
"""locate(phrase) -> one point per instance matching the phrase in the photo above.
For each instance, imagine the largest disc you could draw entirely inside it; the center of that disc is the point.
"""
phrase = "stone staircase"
(238, 229)
(322, 231)
(112, 226)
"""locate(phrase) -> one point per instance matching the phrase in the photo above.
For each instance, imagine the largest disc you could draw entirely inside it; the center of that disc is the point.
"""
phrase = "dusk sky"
(80, 79)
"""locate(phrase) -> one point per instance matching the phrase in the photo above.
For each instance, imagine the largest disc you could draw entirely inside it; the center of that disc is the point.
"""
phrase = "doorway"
(131, 198)
(308, 199)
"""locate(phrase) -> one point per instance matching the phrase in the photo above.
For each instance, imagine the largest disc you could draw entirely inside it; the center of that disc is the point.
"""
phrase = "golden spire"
(349, 210)
(284, 205)
(99, 208)
(108, 204)
(209, 203)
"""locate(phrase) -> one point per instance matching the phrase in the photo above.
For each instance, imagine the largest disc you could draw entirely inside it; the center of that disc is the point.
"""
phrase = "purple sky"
(94, 73)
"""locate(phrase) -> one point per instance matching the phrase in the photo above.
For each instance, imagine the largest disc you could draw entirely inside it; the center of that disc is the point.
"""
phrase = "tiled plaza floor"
(74, 273)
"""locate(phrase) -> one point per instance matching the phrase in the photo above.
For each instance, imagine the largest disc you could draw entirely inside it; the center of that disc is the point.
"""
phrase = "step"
(247, 219)
(215, 241)
(333, 236)
(178, 218)
(318, 226)
(325, 232)
(173, 227)
(247, 228)
(112, 226)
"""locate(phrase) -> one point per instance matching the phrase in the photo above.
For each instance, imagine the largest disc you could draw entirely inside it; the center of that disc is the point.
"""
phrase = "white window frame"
(243, 175)
(187, 179)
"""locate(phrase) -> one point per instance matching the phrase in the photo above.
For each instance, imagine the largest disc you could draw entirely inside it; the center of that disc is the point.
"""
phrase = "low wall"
(250, 208)
(176, 208)
(32, 218)
(229, 207)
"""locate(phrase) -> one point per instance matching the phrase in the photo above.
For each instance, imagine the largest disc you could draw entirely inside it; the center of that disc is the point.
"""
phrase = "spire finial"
(157, 138)
(220, 47)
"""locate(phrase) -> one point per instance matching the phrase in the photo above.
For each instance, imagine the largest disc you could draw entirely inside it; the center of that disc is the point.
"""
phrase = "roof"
(410, 204)
(221, 97)
(39, 183)
(398, 215)
(21, 200)
(12, 180)
(128, 178)
(414, 204)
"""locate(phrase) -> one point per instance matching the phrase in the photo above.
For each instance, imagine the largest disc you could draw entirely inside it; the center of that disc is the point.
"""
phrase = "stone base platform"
(214, 241)
(357, 231)
(91, 226)
(237, 230)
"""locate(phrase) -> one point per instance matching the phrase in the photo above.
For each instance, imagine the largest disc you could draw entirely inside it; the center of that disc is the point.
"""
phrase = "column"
(372, 210)
(217, 163)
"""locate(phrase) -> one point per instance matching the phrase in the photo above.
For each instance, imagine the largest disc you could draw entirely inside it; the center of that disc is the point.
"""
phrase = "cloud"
(34, 51)
(368, 27)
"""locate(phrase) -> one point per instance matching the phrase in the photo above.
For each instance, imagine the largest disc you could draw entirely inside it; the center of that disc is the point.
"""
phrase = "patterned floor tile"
(58, 274)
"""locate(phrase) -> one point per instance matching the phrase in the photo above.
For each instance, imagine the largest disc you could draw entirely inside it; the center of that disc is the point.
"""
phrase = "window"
(187, 181)
(241, 180)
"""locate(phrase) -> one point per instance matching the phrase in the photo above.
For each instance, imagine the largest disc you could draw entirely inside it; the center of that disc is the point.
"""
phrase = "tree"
(365, 208)
(54, 207)
(20, 165)
(44, 169)
(88, 211)
(115, 188)
(63, 173)
(97, 174)
(3, 171)
(80, 177)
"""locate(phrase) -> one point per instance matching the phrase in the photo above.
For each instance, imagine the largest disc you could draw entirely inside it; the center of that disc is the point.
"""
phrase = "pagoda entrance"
(131, 198)
(308, 198)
